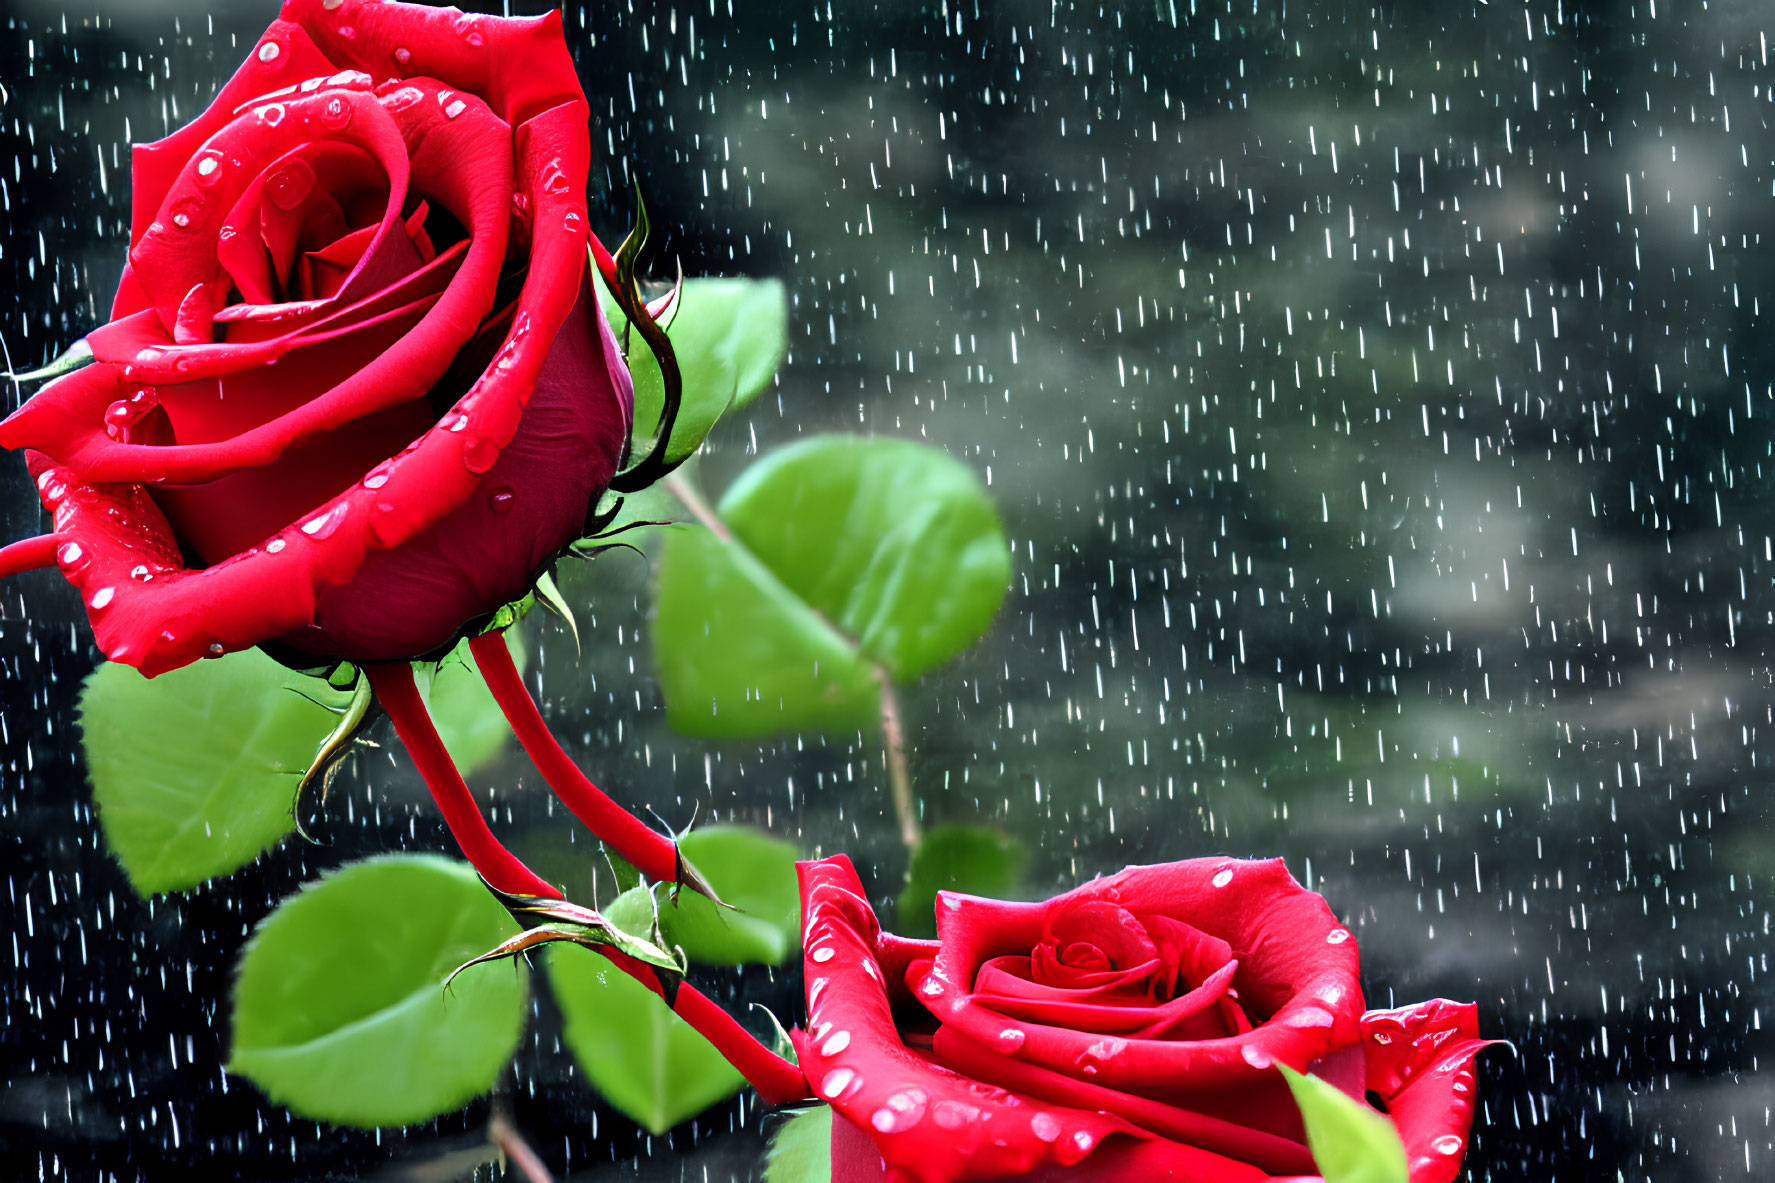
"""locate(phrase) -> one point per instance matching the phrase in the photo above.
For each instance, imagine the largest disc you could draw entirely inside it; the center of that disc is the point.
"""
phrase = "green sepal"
(354, 717)
(549, 920)
(75, 356)
(550, 597)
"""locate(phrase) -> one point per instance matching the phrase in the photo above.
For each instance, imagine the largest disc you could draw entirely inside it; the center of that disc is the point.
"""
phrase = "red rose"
(1125, 1030)
(355, 391)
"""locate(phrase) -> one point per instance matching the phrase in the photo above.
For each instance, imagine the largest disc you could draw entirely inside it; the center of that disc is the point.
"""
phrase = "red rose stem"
(27, 554)
(393, 684)
(777, 1080)
(653, 854)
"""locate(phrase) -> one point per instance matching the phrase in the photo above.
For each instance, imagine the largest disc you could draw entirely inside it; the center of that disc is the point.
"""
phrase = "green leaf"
(195, 772)
(468, 720)
(1350, 1141)
(739, 655)
(801, 1149)
(846, 553)
(729, 335)
(975, 860)
(644, 1059)
(339, 1008)
(750, 870)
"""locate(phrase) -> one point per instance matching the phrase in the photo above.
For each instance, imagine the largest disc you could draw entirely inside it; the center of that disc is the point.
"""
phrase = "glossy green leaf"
(468, 720)
(751, 871)
(339, 1009)
(974, 860)
(847, 553)
(801, 1148)
(641, 1057)
(195, 772)
(897, 543)
(729, 336)
(1350, 1141)
(738, 654)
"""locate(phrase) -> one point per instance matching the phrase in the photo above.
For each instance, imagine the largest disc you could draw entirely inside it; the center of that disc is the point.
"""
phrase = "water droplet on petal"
(478, 455)
(1222, 878)
(952, 1115)
(1337, 936)
(402, 98)
(330, 5)
(271, 114)
(930, 987)
(500, 501)
(209, 168)
(1083, 1140)
(455, 108)
(402, 54)
(822, 955)
(468, 28)
(216, 649)
(1308, 1017)
(287, 188)
(102, 598)
(836, 1082)
(902, 1111)
(839, 1041)
(1046, 1127)
(335, 113)
(378, 476)
(140, 573)
(1106, 1049)
(69, 554)
(572, 222)
(1447, 1144)
(1255, 1056)
(269, 52)
(275, 545)
(1010, 1039)
(326, 523)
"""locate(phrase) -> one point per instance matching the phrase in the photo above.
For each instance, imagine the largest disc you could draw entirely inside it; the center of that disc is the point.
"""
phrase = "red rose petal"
(462, 158)
(518, 65)
(929, 1123)
(1092, 935)
(1420, 1061)
(284, 54)
(856, 1159)
(534, 500)
(1295, 959)
(1239, 1140)
(271, 146)
(1136, 1021)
